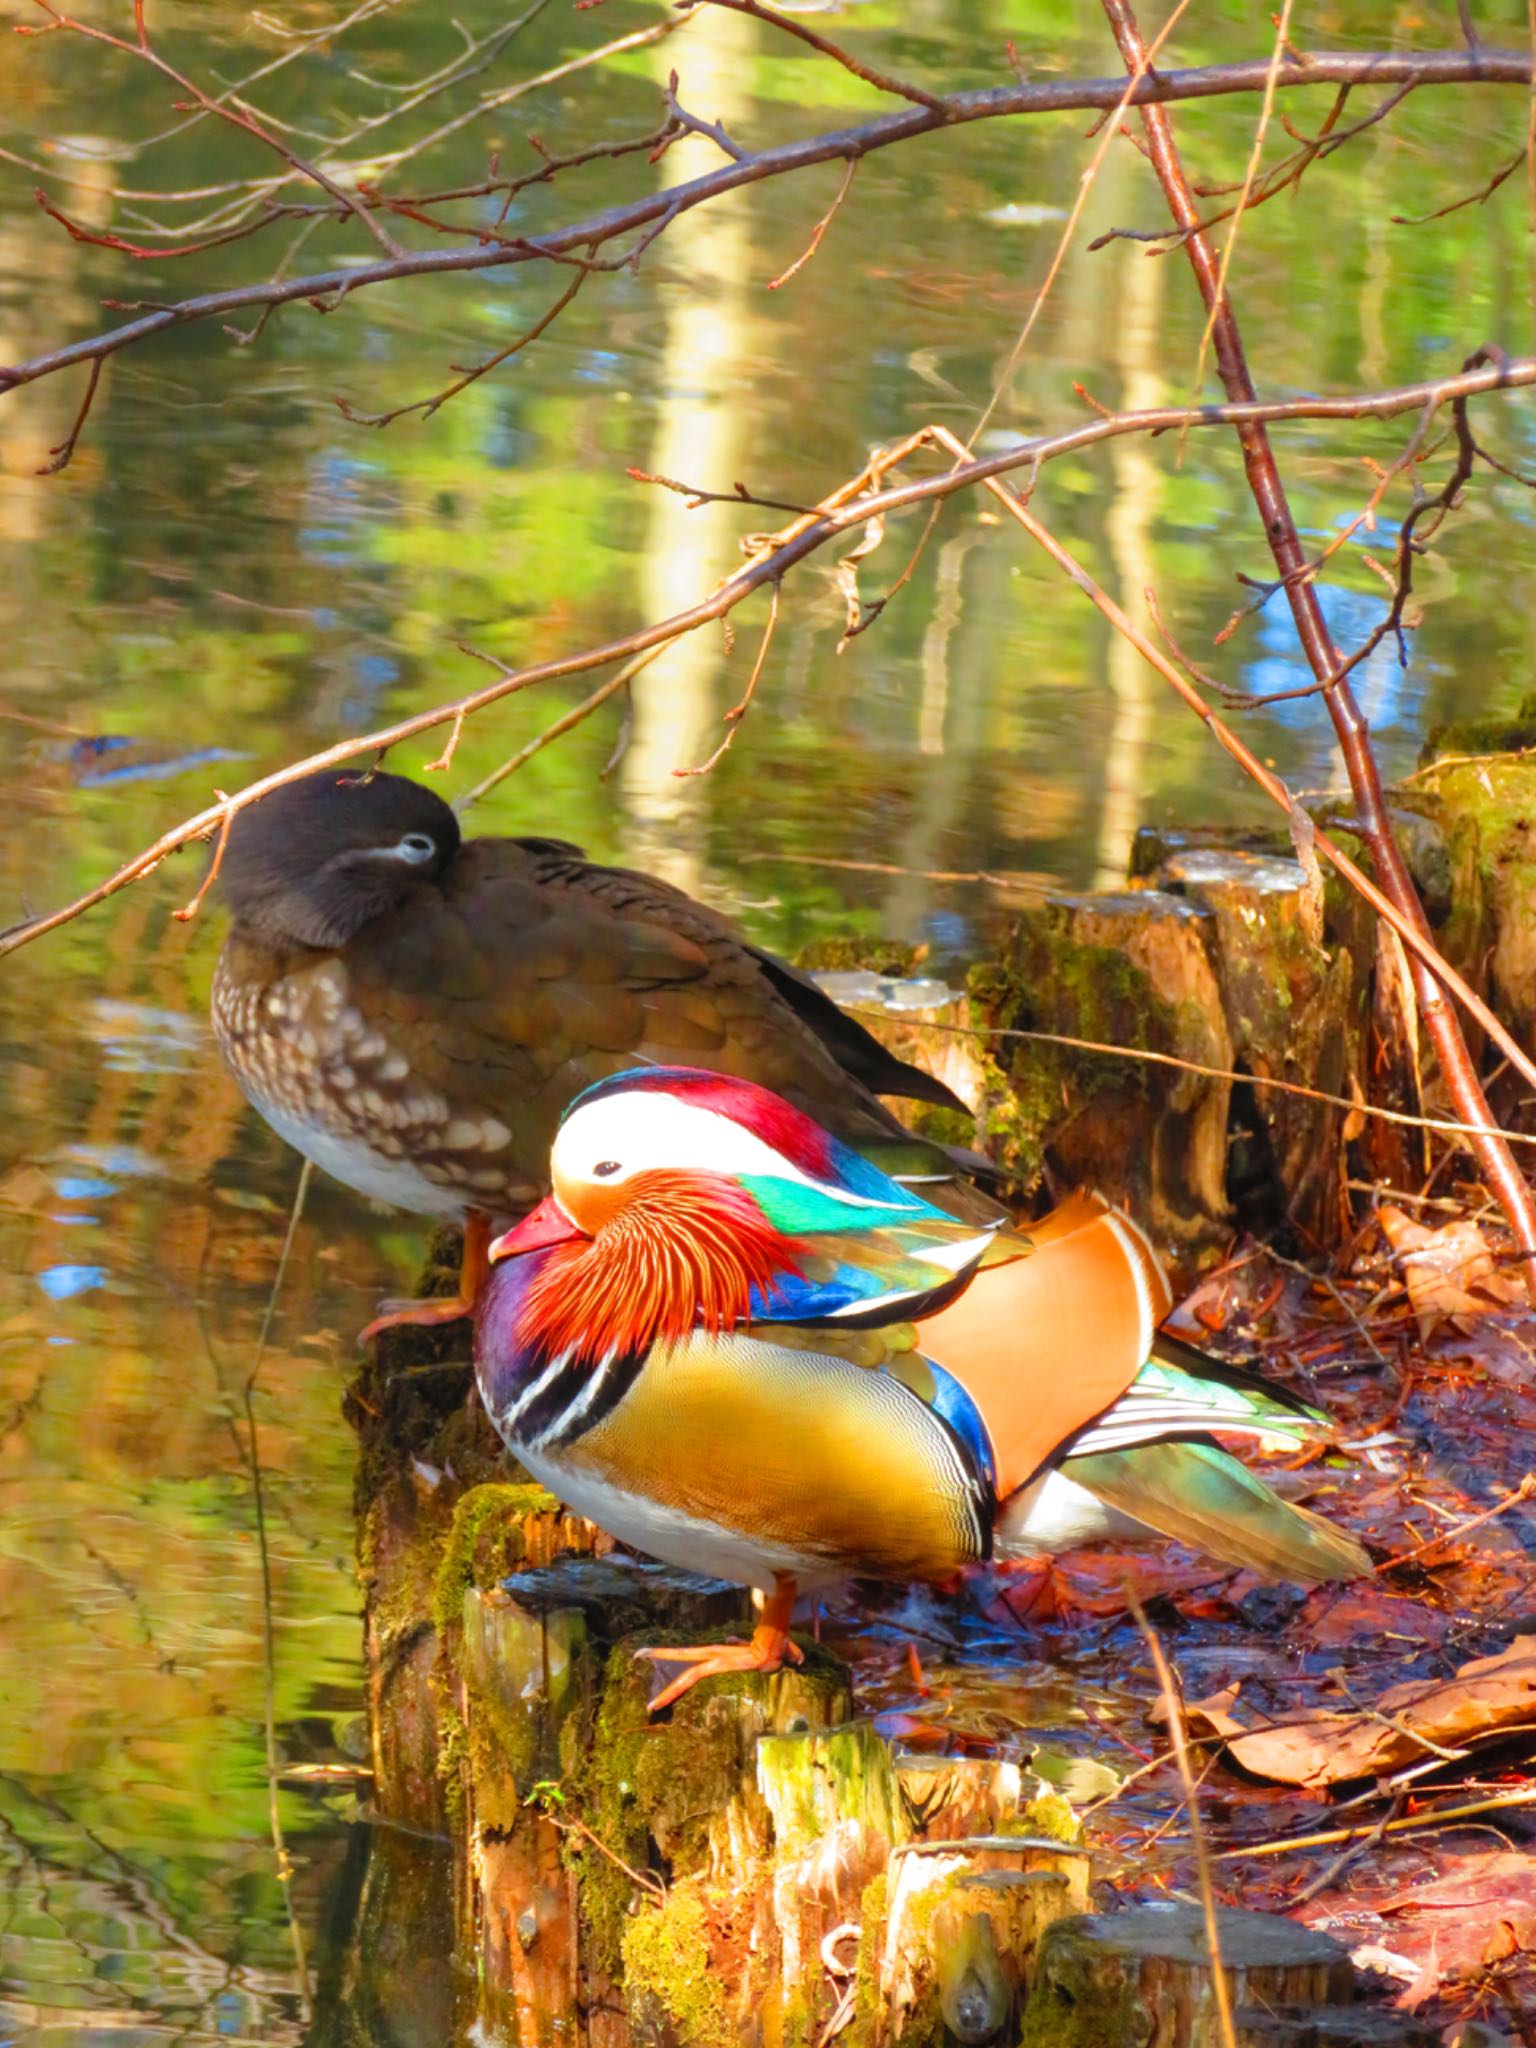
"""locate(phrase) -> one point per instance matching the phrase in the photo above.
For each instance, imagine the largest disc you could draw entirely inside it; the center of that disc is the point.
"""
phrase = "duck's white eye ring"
(606, 1169)
(416, 847)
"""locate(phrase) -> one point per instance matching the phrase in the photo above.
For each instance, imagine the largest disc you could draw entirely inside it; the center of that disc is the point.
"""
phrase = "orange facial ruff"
(683, 1252)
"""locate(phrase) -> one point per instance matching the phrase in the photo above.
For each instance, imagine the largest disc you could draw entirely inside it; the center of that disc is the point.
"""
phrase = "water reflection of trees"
(230, 562)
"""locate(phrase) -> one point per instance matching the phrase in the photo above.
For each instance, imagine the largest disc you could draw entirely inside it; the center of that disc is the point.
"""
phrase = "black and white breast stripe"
(566, 1399)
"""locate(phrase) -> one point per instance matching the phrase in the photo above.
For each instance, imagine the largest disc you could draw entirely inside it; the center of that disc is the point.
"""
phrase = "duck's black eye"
(605, 1169)
(416, 847)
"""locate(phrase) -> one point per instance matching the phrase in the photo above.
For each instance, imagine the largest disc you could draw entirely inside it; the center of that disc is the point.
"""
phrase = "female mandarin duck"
(413, 1011)
(737, 1345)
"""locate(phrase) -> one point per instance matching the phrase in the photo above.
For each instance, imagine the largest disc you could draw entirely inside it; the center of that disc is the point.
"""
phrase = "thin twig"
(1325, 1838)
(1444, 1125)
(774, 283)
(1414, 938)
(1175, 1711)
(189, 910)
(1442, 1023)
(1266, 108)
(1326, 1280)
(59, 455)
(1394, 1723)
(1282, 177)
(574, 717)
(1110, 128)
(268, 1633)
(738, 711)
(850, 505)
(1484, 192)
(428, 406)
(883, 81)
(231, 109)
(1428, 67)
(1512, 1499)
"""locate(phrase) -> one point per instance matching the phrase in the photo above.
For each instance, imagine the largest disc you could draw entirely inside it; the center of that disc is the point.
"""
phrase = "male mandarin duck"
(736, 1344)
(414, 1011)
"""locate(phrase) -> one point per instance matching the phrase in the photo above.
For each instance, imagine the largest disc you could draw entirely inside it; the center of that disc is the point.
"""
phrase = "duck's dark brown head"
(319, 858)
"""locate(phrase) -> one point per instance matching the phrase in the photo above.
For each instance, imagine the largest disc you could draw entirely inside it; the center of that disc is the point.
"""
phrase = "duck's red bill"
(548, 1224)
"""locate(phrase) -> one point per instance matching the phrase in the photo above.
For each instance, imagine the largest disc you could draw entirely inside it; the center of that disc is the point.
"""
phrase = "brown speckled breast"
(332, 1083)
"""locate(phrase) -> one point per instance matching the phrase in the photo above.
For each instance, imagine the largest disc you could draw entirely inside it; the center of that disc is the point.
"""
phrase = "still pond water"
(231, 574)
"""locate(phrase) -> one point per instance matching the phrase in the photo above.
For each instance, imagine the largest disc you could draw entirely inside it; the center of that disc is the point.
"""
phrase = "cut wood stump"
(1290, 1014)
(1137, 970)
(1144, 1977)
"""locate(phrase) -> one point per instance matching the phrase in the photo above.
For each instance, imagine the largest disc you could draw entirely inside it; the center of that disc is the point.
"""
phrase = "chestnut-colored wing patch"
(1047, 1342)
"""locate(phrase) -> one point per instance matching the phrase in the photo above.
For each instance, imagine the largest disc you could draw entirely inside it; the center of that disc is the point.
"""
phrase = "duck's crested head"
(321, 857)
(673, 1125)
(680, 1198)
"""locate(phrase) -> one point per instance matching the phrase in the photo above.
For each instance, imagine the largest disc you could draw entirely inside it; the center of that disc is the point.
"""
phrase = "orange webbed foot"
(769, 1650)
(441, 1308)
(397, 1315)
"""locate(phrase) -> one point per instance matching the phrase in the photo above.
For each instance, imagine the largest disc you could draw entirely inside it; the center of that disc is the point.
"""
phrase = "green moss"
(667, 1965)
(1072, 2005)
(483, 1544)
(602, 1773)
(1483, 735)
(942, 1126)
(797, 2026)
(1485, 813)
(873, 1901)
(1048, 1813)
(810, 1781)
(924, 2027)
(844, 953)
(1054, 983)
(636, 1782)
(635, 1779)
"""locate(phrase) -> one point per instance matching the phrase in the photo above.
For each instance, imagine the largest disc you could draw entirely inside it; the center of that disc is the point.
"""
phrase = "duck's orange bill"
(548, 1224)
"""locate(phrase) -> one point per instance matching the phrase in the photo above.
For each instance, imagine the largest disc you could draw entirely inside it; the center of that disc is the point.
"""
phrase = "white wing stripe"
(1135, 1248)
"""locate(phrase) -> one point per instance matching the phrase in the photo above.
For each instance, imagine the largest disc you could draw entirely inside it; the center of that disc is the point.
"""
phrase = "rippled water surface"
(231, 573)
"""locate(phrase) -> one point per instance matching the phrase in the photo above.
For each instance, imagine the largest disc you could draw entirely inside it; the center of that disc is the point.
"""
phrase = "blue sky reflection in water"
(230, 574)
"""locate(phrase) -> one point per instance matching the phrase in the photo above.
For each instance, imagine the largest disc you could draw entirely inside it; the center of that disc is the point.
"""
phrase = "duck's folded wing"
(563, 972)
(1138, 1458)
(865, 1277)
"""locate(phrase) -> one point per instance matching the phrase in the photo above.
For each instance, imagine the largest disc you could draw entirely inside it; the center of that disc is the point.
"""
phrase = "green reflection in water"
(231, 574)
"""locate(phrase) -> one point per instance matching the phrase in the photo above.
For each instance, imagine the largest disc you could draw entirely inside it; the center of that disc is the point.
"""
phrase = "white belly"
(694, 1546)
(357, 1165)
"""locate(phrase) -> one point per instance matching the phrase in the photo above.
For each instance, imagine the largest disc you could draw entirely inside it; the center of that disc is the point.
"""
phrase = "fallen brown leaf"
(1440, 1925)
(1326, 1748)
(1450, 1273)
(1503, 1943)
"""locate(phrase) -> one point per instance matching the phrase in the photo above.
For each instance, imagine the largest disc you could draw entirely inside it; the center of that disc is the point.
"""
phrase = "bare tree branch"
(1494, 1157)
(851, 505)
(1481, 65)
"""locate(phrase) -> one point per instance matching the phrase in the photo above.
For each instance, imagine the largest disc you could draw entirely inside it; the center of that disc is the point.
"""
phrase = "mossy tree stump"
(1290, 1012)
(1223, 953)
(1144, 1976)
(1484, 815)
(551, 1864)
(1134, 969)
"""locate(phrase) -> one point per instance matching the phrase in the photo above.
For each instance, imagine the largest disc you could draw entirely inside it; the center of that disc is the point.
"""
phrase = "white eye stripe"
(647, 1131)
(415, 847)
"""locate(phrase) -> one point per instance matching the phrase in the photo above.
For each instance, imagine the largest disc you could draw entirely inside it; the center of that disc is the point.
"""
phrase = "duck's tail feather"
(1198, 1494)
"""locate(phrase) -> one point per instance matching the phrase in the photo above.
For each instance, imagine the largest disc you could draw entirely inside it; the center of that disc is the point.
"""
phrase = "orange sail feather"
(1048, 1341)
